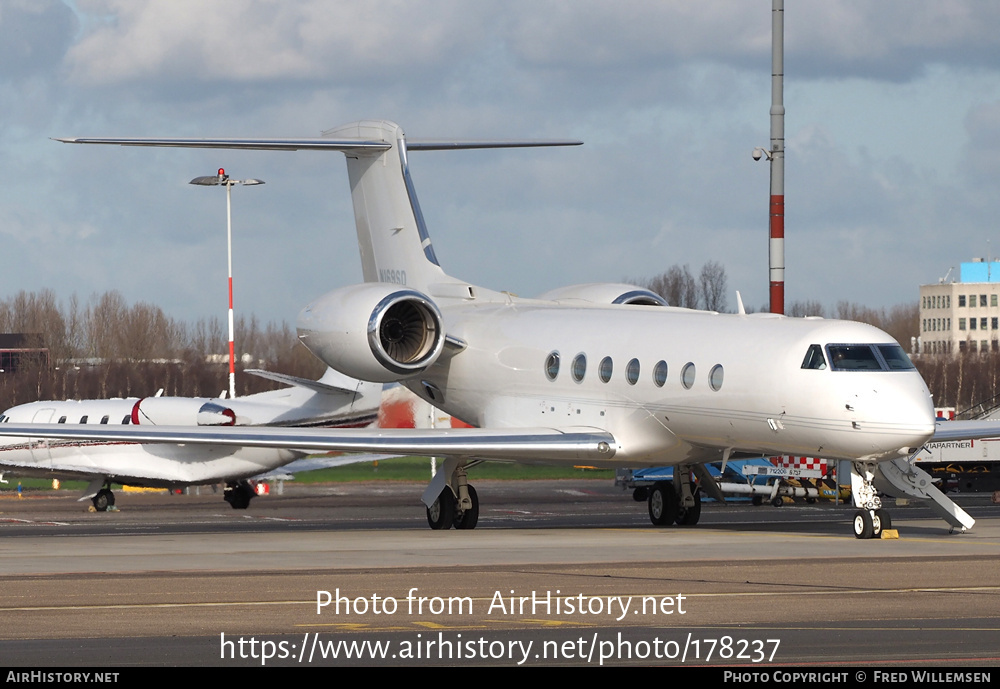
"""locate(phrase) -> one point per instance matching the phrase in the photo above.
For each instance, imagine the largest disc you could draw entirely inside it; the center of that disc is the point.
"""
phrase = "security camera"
(759, 152)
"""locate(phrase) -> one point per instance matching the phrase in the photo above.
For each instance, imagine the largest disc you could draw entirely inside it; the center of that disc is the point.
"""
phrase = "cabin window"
(104, 419)
(687, 375)
(579, 369)
(814, 358)
(552, 366)
(605, 370)
(126, 420)
(83, 419)
(715, 377)
(632, 372)
(62, 419)
(660, 373)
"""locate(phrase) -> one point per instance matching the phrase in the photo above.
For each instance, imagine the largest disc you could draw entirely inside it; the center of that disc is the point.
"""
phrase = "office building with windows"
(962, 316)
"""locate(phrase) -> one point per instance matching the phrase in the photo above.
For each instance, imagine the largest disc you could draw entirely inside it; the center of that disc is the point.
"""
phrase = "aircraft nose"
(905, 413)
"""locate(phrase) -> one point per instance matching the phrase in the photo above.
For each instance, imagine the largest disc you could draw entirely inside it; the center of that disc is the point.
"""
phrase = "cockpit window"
(853, 358)
(814, 358)
(863, 357)
(895, 357)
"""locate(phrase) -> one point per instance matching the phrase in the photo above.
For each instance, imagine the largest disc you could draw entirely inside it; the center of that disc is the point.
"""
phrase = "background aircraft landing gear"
(104, 500)
(662, 503)
(239, 494)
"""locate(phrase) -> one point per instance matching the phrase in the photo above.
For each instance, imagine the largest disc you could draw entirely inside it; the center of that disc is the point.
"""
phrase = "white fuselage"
(766, 402)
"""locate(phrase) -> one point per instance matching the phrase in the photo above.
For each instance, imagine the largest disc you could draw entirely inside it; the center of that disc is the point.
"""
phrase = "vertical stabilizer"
(392, 237)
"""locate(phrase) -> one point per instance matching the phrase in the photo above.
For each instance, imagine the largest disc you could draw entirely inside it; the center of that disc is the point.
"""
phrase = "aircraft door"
(40, 447)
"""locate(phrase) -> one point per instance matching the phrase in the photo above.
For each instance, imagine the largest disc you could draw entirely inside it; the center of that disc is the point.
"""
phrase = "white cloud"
(263, 40)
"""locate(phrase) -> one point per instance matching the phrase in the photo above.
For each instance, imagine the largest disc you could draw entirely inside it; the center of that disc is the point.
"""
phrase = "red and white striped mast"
(222, 179)
(776, 243)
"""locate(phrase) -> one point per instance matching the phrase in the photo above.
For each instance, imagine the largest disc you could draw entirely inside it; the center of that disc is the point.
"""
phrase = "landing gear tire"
(689, 516)
(640, 494)
(756, 500)
(238, 495)
(811, 501)
(864, 526)
(470, 517)
(103, 500)
(662, 502)
(884, 518)
(778, 501)
(441, 515)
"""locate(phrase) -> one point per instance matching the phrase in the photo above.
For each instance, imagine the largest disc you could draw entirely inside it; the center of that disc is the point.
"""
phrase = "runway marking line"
(12, 520)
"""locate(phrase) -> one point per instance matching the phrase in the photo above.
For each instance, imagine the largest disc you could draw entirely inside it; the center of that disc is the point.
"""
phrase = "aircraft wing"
(325, 462)
(522, 444)
(965, 430)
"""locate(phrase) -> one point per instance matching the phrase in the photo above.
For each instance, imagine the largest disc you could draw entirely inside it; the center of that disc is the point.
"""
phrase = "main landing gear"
(239, 494)
(674, 502)
(456, 504)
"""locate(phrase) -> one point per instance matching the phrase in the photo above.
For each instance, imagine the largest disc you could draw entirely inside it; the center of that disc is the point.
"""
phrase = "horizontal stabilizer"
(431, 145)
(314, 385)
(343, 145)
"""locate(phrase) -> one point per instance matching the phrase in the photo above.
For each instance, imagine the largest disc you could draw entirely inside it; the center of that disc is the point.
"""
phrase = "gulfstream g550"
(605, 374)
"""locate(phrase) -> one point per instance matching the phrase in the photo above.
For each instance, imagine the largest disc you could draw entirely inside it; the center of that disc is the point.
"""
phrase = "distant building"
(962, 316)
(20, 349)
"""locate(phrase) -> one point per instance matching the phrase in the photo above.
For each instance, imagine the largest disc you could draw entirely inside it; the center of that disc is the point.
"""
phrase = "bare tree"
(714, 286)
(799, 309)
(677, 286)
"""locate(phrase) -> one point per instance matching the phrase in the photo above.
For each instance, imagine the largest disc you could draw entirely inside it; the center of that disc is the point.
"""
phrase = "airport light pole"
(218, 180)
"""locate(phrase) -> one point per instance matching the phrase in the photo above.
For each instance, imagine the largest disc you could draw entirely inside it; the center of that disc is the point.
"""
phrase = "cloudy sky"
(893, 142)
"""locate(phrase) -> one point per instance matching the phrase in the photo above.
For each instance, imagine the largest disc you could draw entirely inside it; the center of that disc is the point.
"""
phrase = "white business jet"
(602, 374)
(334, 401)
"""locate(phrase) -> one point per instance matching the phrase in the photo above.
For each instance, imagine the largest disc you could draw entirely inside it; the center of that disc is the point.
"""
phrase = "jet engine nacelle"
(182, 411)
(375, 331)
(606, 293)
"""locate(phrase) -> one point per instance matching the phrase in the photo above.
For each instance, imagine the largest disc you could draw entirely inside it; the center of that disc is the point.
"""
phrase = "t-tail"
(393, 239)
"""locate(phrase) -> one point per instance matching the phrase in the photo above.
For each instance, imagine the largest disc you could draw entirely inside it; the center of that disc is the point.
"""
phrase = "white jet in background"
(334, 401)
